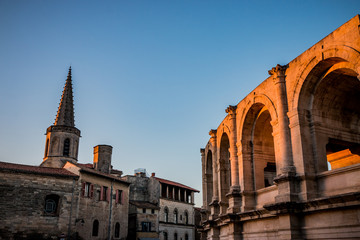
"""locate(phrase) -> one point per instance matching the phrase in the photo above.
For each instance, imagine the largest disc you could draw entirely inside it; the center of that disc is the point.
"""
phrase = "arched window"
(66, 151)
(175, 236)
(165, 236)
(51, 204)
(175, 216)
(117, 230)
(186, 217)
(166, 214)
(95, 229)
(186, 236)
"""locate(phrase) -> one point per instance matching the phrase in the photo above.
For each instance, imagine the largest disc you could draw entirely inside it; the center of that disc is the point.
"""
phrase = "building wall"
(91, 209)
(181, 228)
(22, 206)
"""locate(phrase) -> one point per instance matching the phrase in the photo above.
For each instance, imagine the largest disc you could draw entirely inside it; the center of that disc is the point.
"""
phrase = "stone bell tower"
(62, 138)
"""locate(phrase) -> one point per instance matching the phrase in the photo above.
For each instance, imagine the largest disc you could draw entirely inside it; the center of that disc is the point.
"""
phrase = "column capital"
(278, 71)
(231, 109)
(212, 133)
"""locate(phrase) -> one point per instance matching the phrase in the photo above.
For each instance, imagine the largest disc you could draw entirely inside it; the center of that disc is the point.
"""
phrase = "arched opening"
(186, 215)
(66, 150)
(258, 151)
(263, 150)
(186, 236)
(175, 236)
(117, 230)
(166, 214)
(95, 228)
(209, 177)
(336, 117)
(165, 236)
(175, 216)
(225, 170)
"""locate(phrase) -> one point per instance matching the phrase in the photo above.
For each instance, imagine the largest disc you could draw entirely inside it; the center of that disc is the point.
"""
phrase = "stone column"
(204, 179)
(286, 174)
(234, 194)
(284, 156)
(215, 199)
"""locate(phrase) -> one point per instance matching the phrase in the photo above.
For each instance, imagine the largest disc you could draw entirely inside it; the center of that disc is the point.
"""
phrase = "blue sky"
(151, 78)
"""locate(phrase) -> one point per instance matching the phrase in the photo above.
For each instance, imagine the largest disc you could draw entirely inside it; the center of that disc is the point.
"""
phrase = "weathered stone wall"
(91, 209)
(22, 206)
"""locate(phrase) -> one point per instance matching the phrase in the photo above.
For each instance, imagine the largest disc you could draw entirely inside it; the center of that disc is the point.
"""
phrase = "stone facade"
(284, 163)
(168, 206)
(25, 191)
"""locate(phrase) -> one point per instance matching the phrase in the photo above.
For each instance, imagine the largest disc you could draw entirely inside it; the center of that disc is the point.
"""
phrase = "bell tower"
(62, 138)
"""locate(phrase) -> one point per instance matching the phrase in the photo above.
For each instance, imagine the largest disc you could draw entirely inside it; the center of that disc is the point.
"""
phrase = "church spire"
(65, 113)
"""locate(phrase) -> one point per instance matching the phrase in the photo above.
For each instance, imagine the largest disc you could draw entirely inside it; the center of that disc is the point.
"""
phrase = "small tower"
(62, 138)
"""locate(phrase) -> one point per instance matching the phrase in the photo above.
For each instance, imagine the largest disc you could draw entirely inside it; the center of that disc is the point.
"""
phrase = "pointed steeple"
(65, 113)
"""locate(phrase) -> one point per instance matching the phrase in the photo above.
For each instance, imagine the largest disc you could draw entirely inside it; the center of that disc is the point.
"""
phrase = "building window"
(144, 210)
(186, 236)
(186, 217)
(165, 236)
(104, 194)
(146, 226)
(175, 216)
(117, 230)
(175, 236)
(51, 203)
(87, 190)
(66, 151)
(152, 211)
(166, 214)
(119, 197)
(95, 229)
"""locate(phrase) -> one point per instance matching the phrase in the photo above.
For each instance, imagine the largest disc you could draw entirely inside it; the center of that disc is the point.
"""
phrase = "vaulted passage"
(336, 118)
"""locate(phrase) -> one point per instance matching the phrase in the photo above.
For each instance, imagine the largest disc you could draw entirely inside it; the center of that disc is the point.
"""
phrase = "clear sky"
(150, 78)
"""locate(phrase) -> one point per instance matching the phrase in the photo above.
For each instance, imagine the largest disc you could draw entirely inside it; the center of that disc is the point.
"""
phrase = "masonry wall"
(22, 206)
(181, 228)
(91, 209)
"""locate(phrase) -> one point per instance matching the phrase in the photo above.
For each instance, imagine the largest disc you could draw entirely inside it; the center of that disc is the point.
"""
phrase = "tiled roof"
(89, 169)
(142, 204)
(175, 184)
(13, 167)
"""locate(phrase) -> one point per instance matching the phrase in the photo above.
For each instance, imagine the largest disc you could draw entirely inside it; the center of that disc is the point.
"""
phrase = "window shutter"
(117, 196)
(83, 189)
(108, 194)
(91, 190)
(101, 193)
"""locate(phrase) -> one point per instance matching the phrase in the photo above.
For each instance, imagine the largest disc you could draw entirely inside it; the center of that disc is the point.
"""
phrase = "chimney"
(153, 174)
(102, 158)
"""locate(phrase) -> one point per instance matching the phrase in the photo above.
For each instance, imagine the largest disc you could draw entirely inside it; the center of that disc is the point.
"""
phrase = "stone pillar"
(284, 154)
(234, 194)
(246, 176)
(204, 179)
(286, 173)
(215, 200)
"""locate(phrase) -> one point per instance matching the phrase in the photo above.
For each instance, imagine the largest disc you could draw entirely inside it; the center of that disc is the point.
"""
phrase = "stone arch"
(209, 168)
(257, 99)
(257, 145)
(326, 96)
(224, 167)
(317, 64)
